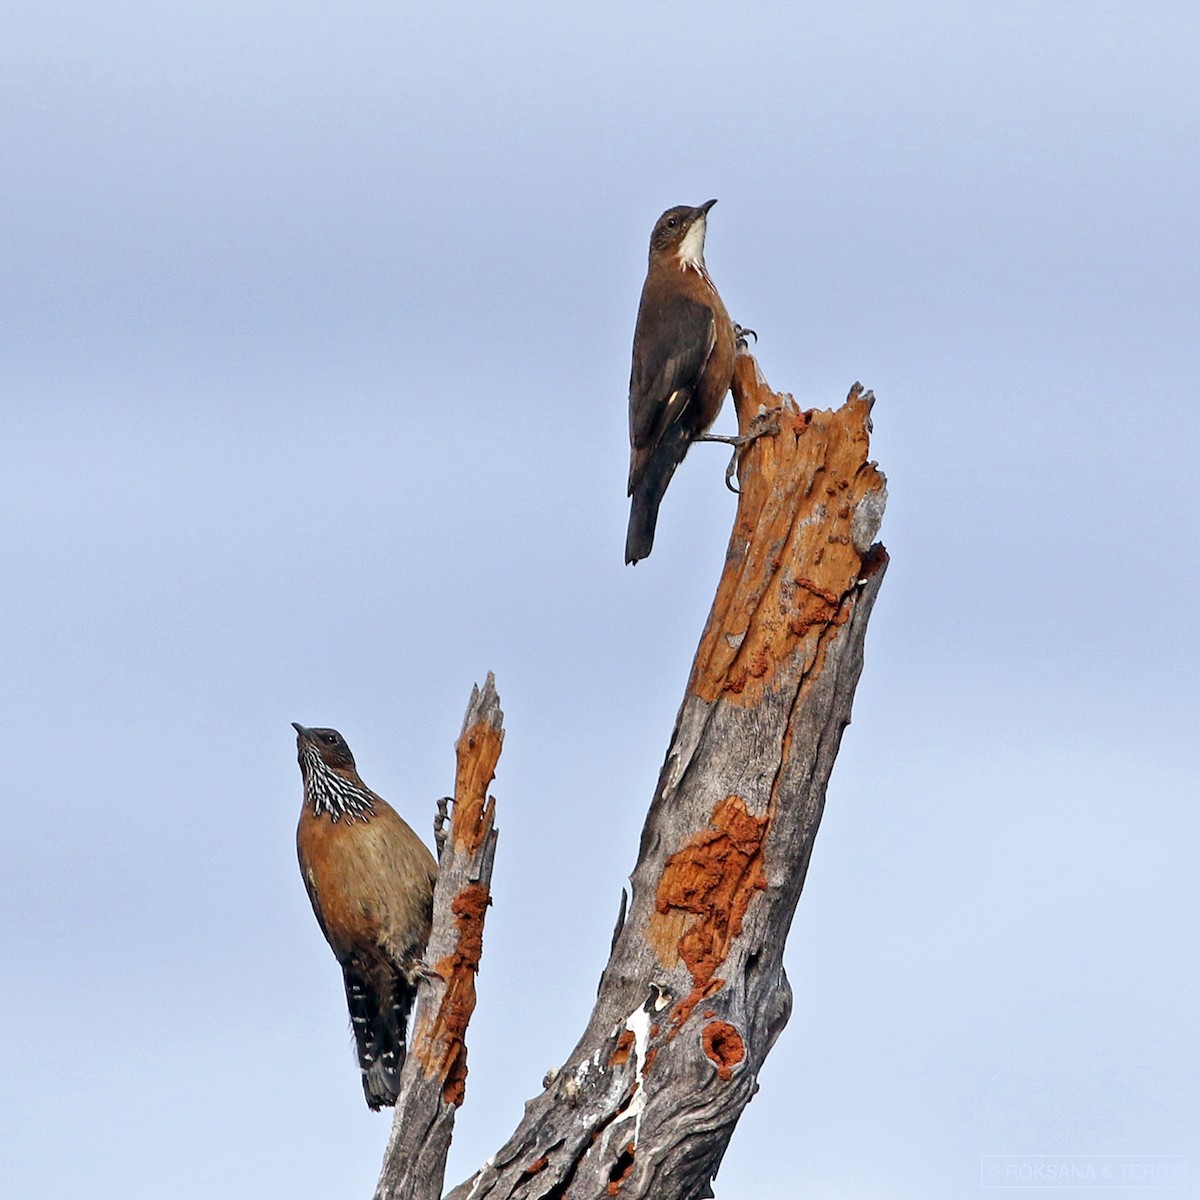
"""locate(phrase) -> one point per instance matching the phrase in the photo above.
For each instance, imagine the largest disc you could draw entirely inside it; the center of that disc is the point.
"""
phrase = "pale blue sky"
(315, 330)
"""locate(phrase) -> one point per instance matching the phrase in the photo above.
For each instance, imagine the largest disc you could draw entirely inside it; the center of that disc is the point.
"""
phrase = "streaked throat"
(329, 792)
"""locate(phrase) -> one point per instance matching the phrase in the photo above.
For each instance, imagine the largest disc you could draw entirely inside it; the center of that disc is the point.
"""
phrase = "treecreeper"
(683, 350)
(370, 879)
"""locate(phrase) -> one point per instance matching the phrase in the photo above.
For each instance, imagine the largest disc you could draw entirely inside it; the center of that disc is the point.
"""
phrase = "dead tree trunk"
(694, 994)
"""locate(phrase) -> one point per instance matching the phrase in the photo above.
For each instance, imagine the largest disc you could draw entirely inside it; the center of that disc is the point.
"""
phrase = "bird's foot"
(422, 970)
(416, 969)
(764, 423)
(439, 823)
(741, 333)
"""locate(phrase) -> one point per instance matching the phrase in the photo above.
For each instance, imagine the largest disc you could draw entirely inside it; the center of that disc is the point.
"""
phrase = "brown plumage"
(683, 350)
(370, 879)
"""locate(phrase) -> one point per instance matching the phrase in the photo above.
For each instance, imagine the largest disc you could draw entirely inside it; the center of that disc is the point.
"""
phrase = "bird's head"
(679, 234)
(327, 744)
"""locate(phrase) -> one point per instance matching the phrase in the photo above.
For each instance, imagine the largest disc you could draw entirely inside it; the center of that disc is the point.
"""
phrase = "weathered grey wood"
(433, 1079)
(694, 994)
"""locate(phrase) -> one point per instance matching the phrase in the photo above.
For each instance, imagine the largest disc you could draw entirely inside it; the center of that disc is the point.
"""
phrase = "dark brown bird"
(683, 350)
(370, 880)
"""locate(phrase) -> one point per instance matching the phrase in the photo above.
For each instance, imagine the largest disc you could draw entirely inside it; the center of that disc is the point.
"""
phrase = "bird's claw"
(765, 421)
(439, 823)
(741, 333)
(422, 971)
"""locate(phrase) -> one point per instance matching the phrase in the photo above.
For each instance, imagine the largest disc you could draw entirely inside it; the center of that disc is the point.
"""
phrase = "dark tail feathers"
(649, 490)
(379, 1007)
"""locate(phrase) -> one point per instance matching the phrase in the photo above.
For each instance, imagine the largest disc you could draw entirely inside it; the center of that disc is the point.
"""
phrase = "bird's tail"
(648, 490)
(379, 1006)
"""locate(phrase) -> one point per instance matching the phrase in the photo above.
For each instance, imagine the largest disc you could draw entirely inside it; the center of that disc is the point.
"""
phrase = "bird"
(683, 350)
(370, 879)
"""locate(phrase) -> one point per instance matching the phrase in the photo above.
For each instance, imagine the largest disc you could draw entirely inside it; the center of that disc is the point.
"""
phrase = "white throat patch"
(691, 249)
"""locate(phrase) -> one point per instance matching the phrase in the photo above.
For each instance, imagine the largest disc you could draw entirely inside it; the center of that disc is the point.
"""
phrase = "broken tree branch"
(694, 994)
(433, 1080)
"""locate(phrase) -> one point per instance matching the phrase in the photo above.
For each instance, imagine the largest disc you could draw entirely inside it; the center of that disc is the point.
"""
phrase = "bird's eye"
(672, 222)
(330, 739)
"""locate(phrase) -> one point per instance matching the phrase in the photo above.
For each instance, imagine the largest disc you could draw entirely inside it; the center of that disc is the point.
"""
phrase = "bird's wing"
(668, 366)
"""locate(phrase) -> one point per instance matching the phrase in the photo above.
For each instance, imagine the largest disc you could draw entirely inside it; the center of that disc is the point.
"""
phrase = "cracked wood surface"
(433, 1081)
(694, 993)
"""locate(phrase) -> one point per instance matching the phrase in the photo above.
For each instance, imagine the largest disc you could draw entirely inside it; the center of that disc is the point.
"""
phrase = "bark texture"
(432, 1084)
(694, 994)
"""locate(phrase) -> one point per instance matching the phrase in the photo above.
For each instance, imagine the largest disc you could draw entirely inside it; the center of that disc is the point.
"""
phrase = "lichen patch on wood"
(536, 1167)
(621, 1168)
(469, 908)
(442, 1046)
(723, 1044)
(620, 1055)
(792, 566)
(703, 894)
(478, 751)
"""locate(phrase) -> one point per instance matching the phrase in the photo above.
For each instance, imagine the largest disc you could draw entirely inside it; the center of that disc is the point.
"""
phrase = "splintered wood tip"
(484, 707)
